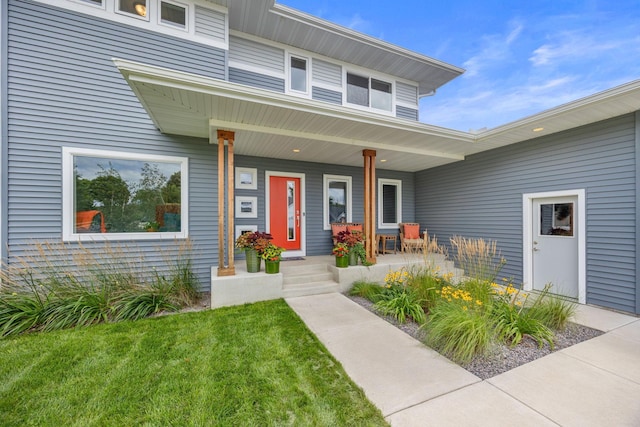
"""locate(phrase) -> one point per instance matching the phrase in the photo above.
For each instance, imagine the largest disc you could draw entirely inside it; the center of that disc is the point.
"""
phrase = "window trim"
(398, 184)
(68, 196)
(146, 17)
(289, 80)
(326, 180)
(170, 24)
(369, 76)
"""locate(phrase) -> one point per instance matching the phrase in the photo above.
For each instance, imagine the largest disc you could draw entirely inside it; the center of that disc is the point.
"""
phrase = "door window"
(556, 219)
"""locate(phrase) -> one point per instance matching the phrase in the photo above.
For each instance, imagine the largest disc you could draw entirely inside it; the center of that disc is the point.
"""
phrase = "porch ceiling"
(271, 124)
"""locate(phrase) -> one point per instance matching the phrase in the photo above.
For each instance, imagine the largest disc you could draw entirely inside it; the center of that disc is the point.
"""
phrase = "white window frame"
(368, 75)
(149, 7)
(289, 80)
(102, 4)
(187, 15)
(398, 184)
(327, 179)
(68, 196)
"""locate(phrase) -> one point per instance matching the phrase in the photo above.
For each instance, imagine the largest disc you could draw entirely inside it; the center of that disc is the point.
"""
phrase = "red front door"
(284, 211)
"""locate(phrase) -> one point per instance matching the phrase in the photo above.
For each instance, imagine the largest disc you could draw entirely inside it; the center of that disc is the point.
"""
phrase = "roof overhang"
(271, 124)
(282, 24)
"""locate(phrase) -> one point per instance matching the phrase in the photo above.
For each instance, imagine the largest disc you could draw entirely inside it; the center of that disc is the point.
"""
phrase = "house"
(201, 119)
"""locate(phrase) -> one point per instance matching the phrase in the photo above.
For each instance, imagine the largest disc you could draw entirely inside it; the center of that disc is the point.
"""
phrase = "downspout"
(4, 132)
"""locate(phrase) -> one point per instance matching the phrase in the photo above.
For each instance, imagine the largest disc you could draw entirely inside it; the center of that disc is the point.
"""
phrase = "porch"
(314, 275)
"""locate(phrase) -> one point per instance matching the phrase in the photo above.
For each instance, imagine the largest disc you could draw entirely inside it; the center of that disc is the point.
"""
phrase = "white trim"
(254, 207)
(68, 196)
(581, 234)
(148, 11)
(187, 16)
(258, 70)
(253, 185)
(325, 197)
(287, 70)
(303, 214)
(398, 184)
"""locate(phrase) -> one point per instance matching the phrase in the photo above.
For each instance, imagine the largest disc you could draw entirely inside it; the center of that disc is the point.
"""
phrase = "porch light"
(383, 160)
(296, 150)
(540, 129)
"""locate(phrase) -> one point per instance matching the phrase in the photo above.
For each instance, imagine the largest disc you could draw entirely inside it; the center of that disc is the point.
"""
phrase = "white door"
(555, 244)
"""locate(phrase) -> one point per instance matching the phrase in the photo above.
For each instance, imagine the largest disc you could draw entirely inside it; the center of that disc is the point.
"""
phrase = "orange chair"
(410, 238)
(337, 227)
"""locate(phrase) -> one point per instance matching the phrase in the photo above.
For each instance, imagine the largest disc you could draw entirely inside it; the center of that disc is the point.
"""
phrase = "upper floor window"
(173, 14)
(369, 92)
(110, 195)
(137, 8)
(298, 74)
(94, 2)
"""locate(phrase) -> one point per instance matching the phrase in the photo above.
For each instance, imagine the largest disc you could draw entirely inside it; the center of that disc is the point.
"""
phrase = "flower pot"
(342, 261)
(253, 260)
(353, 258)
(272, 267)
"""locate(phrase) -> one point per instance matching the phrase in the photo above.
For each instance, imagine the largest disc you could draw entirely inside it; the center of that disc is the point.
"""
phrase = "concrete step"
(292, 279)
(310, 288)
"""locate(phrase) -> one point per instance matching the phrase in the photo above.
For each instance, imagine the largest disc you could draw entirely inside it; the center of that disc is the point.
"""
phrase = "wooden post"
(226, 265)
(370, 204)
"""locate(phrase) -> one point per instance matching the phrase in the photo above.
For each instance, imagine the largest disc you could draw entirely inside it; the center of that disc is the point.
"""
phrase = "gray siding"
(247, 52)
(211, 24)
(327, 73)
(406, 113)
(406, 93)
(250, 78)
(318, 239)
(482, 197)
(326, 95)
(65, 91)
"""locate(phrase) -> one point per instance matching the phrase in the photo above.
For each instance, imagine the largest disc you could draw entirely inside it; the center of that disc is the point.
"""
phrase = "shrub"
(427, 286)
(478, 258)
(401, 303)
(368, 290)
(553, 311)
(458, 332)
(39, 292)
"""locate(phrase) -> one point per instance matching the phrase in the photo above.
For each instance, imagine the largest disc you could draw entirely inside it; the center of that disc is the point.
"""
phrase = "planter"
(272, 267)
(342, 261)
(353, 258)
(253, 260)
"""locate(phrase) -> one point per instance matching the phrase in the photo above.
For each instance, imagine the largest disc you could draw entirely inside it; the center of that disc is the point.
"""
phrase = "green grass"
(253, 365)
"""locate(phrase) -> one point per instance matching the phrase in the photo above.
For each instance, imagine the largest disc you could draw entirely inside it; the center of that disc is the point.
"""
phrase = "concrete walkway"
(594, 383)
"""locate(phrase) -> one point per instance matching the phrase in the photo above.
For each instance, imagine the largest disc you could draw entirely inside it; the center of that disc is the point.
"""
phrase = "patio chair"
(337, 227)
(410, 238)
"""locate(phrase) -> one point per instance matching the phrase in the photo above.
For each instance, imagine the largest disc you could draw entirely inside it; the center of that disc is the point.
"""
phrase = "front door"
(555, 244)
(285, 212)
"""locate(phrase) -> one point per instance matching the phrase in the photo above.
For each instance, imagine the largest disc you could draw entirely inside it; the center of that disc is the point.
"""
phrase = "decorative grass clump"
(41, 292)
(251, 365)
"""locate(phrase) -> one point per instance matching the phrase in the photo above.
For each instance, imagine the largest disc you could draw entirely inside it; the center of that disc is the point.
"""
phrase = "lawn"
(249, 365)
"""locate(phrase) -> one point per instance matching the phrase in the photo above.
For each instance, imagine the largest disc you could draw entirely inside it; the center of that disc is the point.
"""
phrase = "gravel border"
(502, 358)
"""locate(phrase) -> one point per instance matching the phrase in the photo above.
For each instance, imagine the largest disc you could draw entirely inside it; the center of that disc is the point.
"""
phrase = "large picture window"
(389, 203)
(114, 196)
(337, 199)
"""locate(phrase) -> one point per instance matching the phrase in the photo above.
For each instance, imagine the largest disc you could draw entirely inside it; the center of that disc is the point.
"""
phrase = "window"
(93, 2)
(134, 7)
(369, 92)
(173, 14)
(337, 199)
(389, 203)
(298, 74)
(115, 196)
(556, 219)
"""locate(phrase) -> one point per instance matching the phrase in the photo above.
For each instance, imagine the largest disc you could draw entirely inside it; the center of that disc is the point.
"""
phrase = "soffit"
(291, 27)
(270, 124)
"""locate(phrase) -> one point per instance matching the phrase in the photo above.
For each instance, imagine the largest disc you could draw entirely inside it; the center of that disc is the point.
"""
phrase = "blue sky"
(521, 57)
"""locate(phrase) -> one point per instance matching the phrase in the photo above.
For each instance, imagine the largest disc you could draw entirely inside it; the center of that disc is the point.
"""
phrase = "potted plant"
(341, 251)
(353, 240)
(152, 226)
(272, 256)
(253, 245)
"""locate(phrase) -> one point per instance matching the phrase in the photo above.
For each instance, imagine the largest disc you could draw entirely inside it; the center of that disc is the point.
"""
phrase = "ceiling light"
(540, 129)
(296, 150)
(383, 160)
(141, 9)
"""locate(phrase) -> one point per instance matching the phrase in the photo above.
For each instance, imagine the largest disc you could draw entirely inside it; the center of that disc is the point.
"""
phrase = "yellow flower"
(478, 302)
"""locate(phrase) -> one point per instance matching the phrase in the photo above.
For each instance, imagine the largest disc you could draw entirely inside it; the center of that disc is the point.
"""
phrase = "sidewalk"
(593, 383)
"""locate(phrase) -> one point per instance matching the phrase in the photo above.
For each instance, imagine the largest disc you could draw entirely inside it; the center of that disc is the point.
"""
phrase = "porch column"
(370, 204)
(225, 204)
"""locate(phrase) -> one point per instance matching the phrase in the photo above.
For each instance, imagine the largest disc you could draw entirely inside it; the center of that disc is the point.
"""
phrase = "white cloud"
(495, 49)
